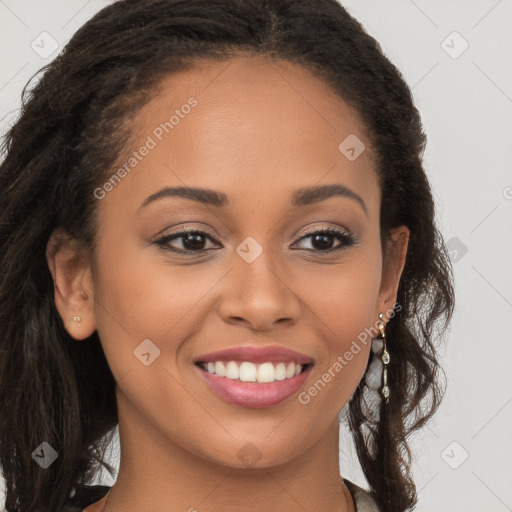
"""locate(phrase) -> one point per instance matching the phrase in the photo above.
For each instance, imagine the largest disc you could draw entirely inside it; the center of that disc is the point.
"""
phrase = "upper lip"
(271, 353)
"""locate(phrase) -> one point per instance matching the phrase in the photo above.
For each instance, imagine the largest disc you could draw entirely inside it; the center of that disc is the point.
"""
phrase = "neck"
(157, 474)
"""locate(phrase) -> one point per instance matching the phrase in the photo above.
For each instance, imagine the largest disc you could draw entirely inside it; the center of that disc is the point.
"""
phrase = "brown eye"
(322, 240)
(192, 241)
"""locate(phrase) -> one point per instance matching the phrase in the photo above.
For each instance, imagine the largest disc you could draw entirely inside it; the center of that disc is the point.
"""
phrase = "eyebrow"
(301, 197)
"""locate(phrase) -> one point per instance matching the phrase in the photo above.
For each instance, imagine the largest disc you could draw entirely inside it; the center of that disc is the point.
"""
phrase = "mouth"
(254, 377)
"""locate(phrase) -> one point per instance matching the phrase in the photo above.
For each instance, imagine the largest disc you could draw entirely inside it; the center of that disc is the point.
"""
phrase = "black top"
(86, 495)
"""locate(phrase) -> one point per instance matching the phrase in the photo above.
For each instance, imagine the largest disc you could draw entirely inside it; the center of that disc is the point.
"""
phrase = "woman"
(216, 233)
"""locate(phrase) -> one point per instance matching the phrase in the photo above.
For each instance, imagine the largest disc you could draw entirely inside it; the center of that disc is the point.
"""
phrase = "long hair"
(73, 127)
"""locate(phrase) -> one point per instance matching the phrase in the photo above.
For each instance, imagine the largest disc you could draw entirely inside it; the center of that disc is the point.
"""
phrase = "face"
(254, 269)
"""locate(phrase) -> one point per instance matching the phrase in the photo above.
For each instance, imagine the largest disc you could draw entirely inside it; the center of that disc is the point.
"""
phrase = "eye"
(321, 239)
(192, 241)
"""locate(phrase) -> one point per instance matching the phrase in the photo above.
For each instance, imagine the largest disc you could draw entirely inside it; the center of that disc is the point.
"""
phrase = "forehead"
(250, 127)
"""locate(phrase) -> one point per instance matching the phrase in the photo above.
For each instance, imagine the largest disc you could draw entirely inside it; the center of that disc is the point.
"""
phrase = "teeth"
(220, 370)
(250, 372)
(280, 372)
(266, 372)
(232, 370)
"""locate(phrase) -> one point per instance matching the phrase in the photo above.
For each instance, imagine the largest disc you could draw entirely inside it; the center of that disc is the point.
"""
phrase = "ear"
(69, 265)
(392, 267)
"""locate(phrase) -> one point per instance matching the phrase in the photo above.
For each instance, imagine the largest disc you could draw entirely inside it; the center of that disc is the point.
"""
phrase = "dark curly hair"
(72, 129)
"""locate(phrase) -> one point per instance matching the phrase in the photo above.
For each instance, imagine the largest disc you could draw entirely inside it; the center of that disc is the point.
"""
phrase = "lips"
(234, 387)
(254, 395)
(272, 354)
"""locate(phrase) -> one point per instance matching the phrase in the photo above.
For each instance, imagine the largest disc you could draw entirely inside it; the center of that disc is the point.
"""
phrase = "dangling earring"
(385, 359)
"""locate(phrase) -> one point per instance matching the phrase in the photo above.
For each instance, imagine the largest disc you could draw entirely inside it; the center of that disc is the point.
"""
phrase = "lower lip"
(254, 395)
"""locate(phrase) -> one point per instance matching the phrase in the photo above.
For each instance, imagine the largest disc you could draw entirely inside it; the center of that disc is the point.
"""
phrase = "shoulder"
(363, 499)
(83, 496)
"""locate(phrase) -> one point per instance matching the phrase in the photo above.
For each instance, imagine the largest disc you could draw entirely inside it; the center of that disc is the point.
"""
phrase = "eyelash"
(163, 242)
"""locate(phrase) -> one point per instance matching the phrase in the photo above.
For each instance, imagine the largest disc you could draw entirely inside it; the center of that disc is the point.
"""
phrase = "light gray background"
(466, 104)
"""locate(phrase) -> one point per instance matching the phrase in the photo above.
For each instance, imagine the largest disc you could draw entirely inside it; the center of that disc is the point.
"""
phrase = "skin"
(260, 130)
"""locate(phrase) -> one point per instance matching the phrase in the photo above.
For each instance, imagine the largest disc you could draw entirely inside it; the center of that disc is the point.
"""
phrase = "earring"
(77, 319)
(385, 359)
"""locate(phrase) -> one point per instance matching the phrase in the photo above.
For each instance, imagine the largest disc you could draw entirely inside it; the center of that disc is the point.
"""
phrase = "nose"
(259, 294)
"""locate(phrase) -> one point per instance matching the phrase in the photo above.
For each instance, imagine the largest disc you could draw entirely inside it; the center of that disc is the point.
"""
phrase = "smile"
(256, 393)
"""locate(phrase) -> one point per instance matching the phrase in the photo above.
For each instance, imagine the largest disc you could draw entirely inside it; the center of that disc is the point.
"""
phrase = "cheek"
(344, 302)
(344, 297)
(140, 296)
(136, 287)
